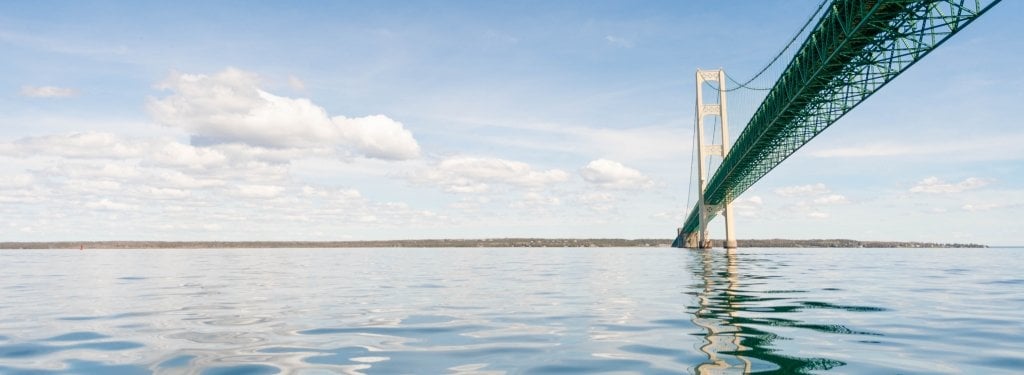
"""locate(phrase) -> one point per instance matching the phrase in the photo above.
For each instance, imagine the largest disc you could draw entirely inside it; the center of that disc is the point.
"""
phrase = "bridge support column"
(730, 229)
(716, 146)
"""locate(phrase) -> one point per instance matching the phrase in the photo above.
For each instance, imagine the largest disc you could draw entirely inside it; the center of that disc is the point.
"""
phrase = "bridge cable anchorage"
(745, 85)
(856, 48)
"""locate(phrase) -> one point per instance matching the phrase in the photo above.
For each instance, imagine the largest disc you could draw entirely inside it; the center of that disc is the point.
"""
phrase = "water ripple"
(497, 311)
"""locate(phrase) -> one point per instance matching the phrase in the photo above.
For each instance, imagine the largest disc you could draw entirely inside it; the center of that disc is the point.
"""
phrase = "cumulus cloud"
(259, 191)
(378, 137)
(106, 204)
(811, 200)
(612, 174)
(73, 145)
(187, 156)
(334, 195)
(933, 185)
(831, 199)
(124, 155)
(976, 207)
(179, 180)
(247, 190)
(596, 197)
(979, 207)
(598, 201)
(466, 174)
(980, 147)
(536, 200)
(47, 92)
(618, 41)
(748, 207)
(870, 150)
(802, 190)
(164, 193)
(92, 185)
(296, 84)
(113, 170)
(17, 181)
(230, 107)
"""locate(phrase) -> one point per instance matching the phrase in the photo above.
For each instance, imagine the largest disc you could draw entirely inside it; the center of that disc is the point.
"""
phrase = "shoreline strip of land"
(490, 242)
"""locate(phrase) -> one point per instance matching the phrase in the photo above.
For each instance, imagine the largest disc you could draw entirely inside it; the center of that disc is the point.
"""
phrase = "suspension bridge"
(853, 50)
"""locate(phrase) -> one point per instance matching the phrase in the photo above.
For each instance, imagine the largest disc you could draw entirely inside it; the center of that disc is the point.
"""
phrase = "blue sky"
(465, 119)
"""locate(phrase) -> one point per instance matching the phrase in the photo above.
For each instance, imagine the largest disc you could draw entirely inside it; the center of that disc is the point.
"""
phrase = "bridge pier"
(730, 229)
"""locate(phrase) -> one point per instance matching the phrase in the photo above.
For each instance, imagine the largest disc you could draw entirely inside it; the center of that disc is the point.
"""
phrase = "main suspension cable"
(745, 85)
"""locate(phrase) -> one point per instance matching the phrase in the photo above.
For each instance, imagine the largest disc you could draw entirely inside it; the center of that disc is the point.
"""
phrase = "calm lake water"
(493, 311)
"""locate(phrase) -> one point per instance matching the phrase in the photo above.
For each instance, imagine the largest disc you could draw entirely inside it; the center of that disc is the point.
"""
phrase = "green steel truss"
(856, 48)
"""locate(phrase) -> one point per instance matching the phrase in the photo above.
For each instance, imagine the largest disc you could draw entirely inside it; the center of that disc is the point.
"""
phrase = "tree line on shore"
(491, 242)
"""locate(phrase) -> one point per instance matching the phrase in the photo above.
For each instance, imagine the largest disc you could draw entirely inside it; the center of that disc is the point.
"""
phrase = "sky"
(353, 120)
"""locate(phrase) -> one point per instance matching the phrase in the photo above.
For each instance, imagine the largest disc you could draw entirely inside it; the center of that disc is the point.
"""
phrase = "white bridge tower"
(711, 147)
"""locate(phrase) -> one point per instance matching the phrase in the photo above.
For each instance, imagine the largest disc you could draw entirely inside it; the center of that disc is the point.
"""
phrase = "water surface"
(493, 311)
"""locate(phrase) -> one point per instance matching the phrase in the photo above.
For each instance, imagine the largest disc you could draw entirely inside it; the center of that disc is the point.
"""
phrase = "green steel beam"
(856, 48)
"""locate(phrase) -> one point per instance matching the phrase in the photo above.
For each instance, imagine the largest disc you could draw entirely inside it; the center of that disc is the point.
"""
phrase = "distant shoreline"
(493, 242)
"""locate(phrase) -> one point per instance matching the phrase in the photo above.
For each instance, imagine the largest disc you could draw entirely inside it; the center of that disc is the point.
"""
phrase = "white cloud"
(598, 201)
(176, 179)
(466, 174)
(336, 195)
(979, 207)
(230, 107)
(47, 92)
(618, 41)
(596, 197)
(21, 180)
(93, 185)
(870, 150)
(378, 137)
(831, 199)
(536, 200)
(296, 84)
(933, 185)
(182, 155)
(810, 200)
(471, 203)
(492, 36)
(463, 186)
(802, 190)
(258, 191)
(612, 174)
(242, 152)
(115, 171)
(165, 193)
(106, 204)
(748, 207)
(227, 184)
(628, 144)
(73, 145)
(974, 147)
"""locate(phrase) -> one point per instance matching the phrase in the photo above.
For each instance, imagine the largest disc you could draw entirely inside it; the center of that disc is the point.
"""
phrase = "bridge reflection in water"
(741, 323)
